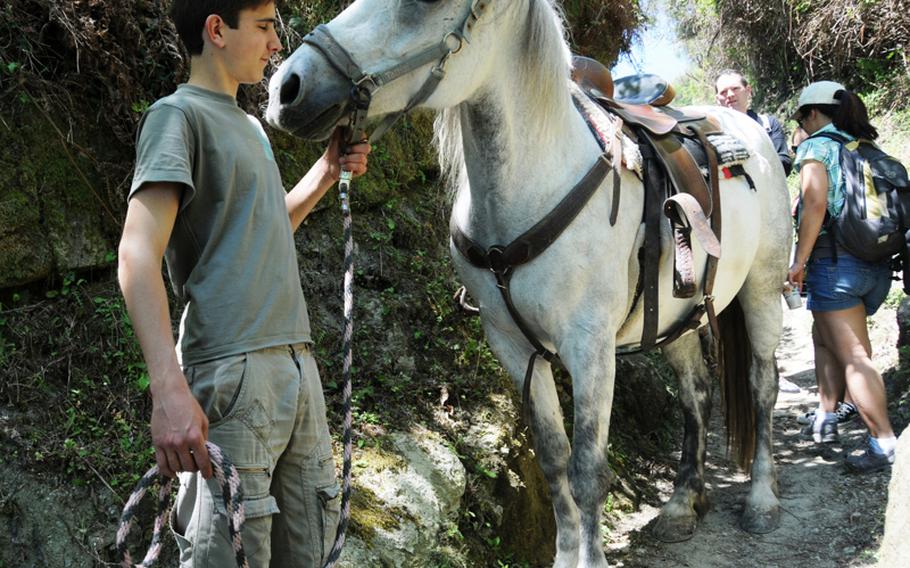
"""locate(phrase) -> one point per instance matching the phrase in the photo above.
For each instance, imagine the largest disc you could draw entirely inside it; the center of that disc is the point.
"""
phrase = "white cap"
(819, 93)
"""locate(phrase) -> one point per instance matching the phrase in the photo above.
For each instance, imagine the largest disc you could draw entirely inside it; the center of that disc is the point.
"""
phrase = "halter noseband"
(365, 84)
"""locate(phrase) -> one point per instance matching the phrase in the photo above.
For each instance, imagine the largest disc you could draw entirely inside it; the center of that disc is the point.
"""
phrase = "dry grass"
(785, 44)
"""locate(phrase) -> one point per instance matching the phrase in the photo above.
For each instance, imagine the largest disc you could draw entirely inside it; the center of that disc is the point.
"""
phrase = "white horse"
(512, 145)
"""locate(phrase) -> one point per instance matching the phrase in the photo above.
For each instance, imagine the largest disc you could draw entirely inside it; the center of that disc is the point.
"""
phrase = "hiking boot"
(845, 412)
(868, 461)
(826, 434)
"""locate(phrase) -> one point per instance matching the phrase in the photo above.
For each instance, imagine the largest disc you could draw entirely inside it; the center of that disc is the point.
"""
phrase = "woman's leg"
(829, 373)
(844, 334)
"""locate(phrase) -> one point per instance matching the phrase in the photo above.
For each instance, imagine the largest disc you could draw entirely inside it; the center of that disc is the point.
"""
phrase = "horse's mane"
(543, 74)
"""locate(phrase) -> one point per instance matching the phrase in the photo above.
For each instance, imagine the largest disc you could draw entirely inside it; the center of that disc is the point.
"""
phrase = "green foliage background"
(782, 45)
(75, 76)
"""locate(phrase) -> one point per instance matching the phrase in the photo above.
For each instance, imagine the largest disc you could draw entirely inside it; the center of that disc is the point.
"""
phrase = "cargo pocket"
(184, 546)
(330, 500)
(219, 386)
(257, 502)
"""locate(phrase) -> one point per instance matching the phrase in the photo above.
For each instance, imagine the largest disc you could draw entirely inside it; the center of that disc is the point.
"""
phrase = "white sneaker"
(844, 410)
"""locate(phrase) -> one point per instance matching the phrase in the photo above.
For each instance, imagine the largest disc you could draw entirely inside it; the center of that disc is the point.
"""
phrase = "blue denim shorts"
(838, 286)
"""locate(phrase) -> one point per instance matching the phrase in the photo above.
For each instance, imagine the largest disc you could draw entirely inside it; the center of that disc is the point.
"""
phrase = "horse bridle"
(364, 84)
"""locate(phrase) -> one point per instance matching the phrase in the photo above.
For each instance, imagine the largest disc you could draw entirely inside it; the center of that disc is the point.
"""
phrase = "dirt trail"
(830, 518)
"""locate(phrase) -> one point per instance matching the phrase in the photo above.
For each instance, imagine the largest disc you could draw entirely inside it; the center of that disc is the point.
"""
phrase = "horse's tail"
(734, 361)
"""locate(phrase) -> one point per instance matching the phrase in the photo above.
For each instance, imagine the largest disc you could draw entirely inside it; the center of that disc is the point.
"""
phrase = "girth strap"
(655, 188)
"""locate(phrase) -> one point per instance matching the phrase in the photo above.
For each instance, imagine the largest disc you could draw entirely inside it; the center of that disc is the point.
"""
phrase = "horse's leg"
(551, 444)
(689, 502)
(552, 447)
(760, 301)
(593, 369)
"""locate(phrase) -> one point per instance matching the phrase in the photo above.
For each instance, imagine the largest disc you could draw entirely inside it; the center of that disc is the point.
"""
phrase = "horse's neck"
(516, 174)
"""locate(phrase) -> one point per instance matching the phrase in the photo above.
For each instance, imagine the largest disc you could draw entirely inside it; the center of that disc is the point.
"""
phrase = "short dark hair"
(850, 115)
(742, 78)
(189, 17)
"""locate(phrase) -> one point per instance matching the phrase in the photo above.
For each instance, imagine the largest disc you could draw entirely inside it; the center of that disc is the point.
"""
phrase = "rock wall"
(52, 218)
(895, 548)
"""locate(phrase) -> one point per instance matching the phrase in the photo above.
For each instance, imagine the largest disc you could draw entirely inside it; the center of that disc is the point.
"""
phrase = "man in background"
(732, 90)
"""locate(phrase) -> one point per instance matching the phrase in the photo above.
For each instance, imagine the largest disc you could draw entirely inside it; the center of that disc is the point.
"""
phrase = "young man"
(732, 90)
(207, 196)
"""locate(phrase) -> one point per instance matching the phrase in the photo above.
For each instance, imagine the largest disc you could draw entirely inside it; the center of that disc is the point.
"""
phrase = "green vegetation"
(75, 388)
(75, 376)
(782, 46)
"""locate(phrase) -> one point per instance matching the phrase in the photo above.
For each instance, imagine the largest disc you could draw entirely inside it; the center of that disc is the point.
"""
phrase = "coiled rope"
(231, 493)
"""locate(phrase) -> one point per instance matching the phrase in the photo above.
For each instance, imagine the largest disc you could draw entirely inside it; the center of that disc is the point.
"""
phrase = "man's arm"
(324, 173)
(179, 426)
(814, 186)
(779, 139)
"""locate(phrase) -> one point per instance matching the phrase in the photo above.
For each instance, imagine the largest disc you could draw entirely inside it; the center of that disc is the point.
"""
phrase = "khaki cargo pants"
(267, 412)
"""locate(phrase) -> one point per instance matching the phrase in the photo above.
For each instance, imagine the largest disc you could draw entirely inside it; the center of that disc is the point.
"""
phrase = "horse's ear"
(212, 30)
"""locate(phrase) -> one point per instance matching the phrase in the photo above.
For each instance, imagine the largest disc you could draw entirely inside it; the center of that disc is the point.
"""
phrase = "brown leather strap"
(683, 169)
(526, 247)
(684, 209)
(655, 184)
(711, 269)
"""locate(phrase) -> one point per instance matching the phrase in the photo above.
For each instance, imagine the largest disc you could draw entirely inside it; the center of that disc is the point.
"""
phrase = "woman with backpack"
(843, 289)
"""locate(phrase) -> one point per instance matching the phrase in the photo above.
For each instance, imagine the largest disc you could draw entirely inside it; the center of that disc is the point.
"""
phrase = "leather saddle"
(640, 100)
(670, 139)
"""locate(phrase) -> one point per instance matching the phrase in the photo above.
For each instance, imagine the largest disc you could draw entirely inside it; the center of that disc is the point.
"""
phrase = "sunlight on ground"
(811, 480)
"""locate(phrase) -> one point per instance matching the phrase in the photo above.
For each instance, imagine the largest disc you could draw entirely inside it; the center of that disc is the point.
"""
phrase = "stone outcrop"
(895, 548)
(52, 217)
(405, 498)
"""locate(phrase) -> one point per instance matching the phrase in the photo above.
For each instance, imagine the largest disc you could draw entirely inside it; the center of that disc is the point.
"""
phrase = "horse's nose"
(290, 89)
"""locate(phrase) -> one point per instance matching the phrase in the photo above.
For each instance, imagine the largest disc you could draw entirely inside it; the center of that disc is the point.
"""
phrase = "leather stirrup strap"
(711, 269)
(684, 206)
(683, 170)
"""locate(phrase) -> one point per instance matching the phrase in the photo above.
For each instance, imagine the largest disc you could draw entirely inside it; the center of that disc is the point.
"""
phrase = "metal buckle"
(456, 47)
(361, 96)
(368, 77)
(496, 260)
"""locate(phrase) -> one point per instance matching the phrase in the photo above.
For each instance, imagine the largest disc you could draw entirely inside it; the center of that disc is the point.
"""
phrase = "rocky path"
(830, 518)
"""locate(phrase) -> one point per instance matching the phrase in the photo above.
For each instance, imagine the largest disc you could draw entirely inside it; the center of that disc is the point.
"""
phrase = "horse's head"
(403, 53)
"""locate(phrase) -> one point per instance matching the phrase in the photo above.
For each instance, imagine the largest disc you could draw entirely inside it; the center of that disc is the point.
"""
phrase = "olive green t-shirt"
(231, 255)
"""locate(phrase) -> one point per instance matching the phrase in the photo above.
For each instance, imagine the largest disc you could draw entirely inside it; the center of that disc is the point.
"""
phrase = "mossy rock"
(52, 219)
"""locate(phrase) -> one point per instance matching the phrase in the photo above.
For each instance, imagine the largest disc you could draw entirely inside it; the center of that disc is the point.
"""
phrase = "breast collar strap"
(365, 84)
(502, 260)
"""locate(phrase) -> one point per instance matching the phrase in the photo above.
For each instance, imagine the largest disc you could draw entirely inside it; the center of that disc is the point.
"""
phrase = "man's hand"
(179, 431)
(352, 158)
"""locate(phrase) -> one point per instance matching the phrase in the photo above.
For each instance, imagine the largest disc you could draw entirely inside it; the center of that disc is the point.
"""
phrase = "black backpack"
(874, 223)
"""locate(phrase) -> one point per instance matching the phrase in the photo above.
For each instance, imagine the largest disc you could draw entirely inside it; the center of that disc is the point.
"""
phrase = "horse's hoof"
(675, 529)
(760, 522)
